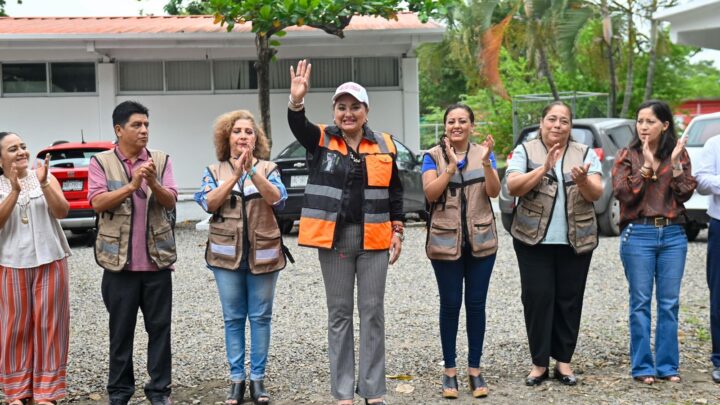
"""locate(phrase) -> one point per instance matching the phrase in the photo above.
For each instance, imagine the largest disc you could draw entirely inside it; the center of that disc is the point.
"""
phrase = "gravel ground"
(298, 367)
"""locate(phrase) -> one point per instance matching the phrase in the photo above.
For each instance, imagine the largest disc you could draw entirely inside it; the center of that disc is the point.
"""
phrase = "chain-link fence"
(527, 108)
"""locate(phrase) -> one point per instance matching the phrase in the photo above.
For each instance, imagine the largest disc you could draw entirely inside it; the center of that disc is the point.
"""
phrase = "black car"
(606, 136)
(293, 162)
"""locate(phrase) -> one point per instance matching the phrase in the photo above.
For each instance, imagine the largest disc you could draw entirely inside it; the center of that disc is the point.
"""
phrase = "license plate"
(72, 185)
(298, 181)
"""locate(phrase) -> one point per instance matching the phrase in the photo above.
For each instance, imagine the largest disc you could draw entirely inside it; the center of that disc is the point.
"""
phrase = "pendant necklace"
(24, 209)
(355, 158)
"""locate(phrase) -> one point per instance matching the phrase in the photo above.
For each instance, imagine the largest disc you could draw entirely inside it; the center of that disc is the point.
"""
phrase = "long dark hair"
(668, 137)
(441, 141)
(3, 135)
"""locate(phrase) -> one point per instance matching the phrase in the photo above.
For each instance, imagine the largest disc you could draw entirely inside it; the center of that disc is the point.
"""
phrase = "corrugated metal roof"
(174, 25)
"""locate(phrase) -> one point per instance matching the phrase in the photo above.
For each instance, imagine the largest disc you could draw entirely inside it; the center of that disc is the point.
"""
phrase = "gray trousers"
(340, 267)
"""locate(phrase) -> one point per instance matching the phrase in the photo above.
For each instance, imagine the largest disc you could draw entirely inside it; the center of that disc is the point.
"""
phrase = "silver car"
(700, 129)
(607, 136)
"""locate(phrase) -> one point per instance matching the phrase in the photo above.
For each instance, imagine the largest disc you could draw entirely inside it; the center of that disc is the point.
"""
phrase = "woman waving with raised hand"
(352, 214)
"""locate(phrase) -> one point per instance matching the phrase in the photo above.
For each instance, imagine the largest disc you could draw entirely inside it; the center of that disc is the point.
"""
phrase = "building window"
(72, 77)
(187, 75)
(24, 78)
(141, 76)
(234, 75)
(330, 73)
(280, 74)
(377, 72)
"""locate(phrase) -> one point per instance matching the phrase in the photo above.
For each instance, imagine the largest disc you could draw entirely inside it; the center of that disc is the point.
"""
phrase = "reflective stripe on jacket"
(534, 210)
(463, 214)
(114, 227)
(244, 216)
(329, 169)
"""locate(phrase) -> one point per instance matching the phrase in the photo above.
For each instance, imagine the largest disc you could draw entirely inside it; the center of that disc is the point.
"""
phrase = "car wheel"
(609, 221)
(692, 230)
(286, 226)
(506, 220)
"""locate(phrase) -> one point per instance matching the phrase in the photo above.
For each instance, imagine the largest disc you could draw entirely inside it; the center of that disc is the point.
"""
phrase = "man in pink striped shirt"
(132, 176)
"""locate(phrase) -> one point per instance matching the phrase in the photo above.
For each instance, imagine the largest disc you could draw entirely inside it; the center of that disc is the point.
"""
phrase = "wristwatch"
(400, 236)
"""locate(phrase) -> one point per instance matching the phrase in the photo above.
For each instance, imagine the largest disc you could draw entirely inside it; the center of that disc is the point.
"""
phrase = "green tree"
(270, 18)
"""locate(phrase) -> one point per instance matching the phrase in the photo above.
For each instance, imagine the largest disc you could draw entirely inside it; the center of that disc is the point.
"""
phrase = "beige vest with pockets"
(534, 209)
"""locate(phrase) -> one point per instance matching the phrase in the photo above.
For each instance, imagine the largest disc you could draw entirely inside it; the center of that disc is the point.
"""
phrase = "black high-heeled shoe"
(375, 403)
(478, 387)
(236, 393)
(449, 386)
(531, 381)
(257, 392)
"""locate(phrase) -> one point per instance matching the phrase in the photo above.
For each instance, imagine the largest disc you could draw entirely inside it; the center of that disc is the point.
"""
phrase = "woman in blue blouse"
(244, 248)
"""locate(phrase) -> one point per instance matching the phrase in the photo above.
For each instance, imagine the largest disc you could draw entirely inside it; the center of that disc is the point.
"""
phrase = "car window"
(405, 158)
(71, 158)
(294, 150)
(702, 130)
(621, 136)
(581, 135)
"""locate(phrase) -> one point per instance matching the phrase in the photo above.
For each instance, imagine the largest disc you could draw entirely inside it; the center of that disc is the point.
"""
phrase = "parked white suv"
(700, 129)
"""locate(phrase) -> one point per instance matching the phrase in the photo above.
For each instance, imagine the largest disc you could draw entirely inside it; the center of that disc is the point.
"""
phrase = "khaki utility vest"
(325, 189)
(114, 227)
(244, 216)
(463, 214)
(534, 209)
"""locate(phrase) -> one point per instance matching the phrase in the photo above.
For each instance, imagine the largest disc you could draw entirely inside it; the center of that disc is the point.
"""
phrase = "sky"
(81, 8)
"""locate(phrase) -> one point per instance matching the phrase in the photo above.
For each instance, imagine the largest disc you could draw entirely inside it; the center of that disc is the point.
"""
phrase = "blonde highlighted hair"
(223, 128)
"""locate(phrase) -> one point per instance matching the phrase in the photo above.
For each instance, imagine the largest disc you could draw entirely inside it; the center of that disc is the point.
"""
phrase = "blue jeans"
(654, 256)
(713, 280)
(475, 272)
(246, 295)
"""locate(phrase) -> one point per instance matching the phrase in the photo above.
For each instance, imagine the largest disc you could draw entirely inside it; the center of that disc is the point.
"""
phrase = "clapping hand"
(489, 144)
(648, 154)
(450, 151)
(42, 169)
(148, 171)
(300, 81)
(580, 173)
(552, 157)
(678, 150)
(12, 175)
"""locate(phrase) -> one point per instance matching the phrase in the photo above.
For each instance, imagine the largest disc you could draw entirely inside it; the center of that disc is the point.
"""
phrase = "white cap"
(354, 90)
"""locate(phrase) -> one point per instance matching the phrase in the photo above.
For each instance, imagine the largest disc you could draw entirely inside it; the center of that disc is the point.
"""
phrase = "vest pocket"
(107, 248)
(162, 245)
(266, 250)
(223, 246)
(482, 238)
(528, 217)
(379, 170)
(443, 240)
(585, 230)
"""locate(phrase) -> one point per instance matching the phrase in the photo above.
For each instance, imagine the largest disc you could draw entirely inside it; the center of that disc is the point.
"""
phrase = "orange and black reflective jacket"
(326, 193)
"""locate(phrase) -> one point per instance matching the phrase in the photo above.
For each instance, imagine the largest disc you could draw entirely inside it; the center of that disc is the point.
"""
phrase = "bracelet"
(399, 236)
(45, 184)
(487, 163)
(296, 104)
(645, 172)
(677, 166)
(451, 173)
(251, 172)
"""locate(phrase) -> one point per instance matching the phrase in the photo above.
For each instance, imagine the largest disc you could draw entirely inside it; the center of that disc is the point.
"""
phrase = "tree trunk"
(608, 38)
(630, 63)
(652, 57)
(545, 69)
(262, 67)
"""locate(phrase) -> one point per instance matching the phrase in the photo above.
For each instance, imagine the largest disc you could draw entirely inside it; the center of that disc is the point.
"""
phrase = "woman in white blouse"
(34, 303)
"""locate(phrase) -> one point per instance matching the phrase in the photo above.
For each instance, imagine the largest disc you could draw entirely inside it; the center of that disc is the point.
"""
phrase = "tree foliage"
(270, 18)
(2, 7)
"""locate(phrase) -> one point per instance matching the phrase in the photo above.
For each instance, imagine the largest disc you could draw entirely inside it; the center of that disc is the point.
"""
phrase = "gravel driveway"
(298, 366)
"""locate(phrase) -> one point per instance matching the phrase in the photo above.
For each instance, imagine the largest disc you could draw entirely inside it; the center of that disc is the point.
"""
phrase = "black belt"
(658, 222)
